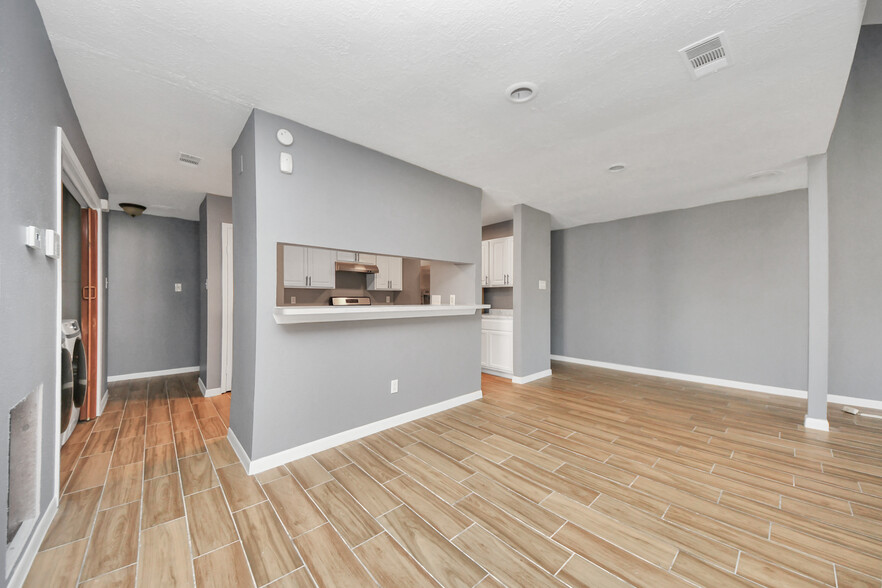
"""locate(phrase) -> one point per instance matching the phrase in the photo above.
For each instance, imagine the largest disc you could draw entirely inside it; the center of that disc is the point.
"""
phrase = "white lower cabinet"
(497, 345)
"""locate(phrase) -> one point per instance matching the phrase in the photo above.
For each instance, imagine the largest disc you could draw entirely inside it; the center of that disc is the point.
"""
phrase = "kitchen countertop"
(326, 314)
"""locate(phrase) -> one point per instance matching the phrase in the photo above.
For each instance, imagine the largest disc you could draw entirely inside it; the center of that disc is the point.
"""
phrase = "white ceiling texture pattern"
(425, 81)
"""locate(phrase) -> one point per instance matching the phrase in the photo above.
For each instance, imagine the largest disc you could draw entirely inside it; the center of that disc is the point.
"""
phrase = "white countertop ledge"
(287, 315)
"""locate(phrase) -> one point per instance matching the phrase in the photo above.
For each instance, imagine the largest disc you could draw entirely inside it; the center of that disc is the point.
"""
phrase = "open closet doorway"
(81, 299)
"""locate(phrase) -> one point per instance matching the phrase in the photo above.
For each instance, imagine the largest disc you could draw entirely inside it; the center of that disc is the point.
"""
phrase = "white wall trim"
(687, 377)
(268, 462)
(530, 378)
(208, 392)
(499, 373)
(138, 376)
(816, 424)
(30, 552)
(104, 398)
(854, 401)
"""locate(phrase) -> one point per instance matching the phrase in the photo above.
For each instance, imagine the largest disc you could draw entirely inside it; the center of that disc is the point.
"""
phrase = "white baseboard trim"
(263, 464)
(20, 573)
(499, 373)
(209, 392)
(816, 424)
(853, 401)
(687, 377)
(531, 377)
(138, 376)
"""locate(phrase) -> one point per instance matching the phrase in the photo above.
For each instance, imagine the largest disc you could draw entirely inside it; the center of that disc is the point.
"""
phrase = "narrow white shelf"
(286, 315)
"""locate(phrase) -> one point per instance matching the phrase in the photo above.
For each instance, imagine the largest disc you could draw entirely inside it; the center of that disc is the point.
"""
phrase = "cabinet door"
(500, 354)
(509, 260)
(294, 266)
(395, 274)
(379, 280)
(485, 263)
(346, 256)
(485, 348)
(320, 265)
(498, 268)
(367, 258)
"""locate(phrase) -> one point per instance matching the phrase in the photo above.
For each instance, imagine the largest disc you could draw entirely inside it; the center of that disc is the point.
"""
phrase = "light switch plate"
(543, 285)
(51, 244)
(286, 163)
(178, 287)
(33, 237)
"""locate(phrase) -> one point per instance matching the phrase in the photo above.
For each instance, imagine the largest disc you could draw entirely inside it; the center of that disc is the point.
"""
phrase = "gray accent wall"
(35, 101)
(150, 326)
(854, 168)
(306, 382)
(532, 306)
(213, 212)
(718, 291)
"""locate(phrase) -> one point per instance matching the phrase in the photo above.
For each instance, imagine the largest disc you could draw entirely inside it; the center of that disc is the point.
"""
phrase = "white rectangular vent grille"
(707, 56)
(187, 159)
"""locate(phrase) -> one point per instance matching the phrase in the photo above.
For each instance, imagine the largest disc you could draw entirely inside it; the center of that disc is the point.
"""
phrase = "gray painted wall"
(35, 101)
(71, 245)
(245, 284)
(532, 306)
(213, 212)
(718, 291)
(855, 208)
(151, 327)
(310, 381)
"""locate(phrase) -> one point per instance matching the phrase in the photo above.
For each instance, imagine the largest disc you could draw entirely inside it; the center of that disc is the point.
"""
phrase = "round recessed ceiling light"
(521, 92)
(616, 168)
(766, 173)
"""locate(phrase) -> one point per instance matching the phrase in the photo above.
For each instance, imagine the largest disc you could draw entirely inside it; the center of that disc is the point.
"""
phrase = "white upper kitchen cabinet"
(307, 267)
(388, 277)
(485, 263)
(501, 257)
(321, 268)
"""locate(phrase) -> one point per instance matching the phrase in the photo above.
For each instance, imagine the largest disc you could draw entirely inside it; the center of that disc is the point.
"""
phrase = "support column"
(819, 294)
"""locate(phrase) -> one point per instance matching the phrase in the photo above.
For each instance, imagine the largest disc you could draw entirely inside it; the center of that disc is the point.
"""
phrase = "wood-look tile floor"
(587, 478)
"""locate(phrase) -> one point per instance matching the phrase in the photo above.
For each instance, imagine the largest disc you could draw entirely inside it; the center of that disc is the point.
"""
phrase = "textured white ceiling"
(424, 81)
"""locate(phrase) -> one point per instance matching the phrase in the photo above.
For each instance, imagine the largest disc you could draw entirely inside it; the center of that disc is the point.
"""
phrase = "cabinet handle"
(308, 280)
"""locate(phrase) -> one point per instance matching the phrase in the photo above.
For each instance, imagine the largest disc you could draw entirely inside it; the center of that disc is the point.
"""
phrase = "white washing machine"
(73, 377)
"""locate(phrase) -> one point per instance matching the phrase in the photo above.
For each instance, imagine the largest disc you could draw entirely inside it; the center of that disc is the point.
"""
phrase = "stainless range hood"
(355, 267)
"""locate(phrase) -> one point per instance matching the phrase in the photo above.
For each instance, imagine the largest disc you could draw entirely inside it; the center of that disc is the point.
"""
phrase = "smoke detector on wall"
(188, 160)
(707, 56)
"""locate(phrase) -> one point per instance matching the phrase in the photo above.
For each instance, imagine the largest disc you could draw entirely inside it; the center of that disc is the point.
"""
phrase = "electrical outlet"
(394, 389)
(178, 287)
(293, 300)
(453, 300)
(543, 285)
(388, 299)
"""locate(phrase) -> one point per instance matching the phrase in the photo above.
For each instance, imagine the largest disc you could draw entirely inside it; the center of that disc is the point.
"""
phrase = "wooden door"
(89, 309)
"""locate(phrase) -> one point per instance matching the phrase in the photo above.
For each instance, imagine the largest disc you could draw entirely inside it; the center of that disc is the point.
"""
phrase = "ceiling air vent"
(188, 160)
(707, 56)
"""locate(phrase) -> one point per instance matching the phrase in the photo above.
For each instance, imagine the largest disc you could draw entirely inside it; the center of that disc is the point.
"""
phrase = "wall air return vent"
(707, 56)
(188, 160)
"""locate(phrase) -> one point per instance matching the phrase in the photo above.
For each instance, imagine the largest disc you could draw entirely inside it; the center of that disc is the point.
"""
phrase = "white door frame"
(70, 172)
(226, 307)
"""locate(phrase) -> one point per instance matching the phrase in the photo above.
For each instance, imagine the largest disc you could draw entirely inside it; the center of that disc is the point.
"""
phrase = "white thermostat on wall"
(285, 137)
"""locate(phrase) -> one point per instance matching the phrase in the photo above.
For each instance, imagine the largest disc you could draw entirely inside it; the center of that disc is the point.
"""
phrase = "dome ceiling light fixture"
(617, 167)
(521, 92)
(132, 210)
